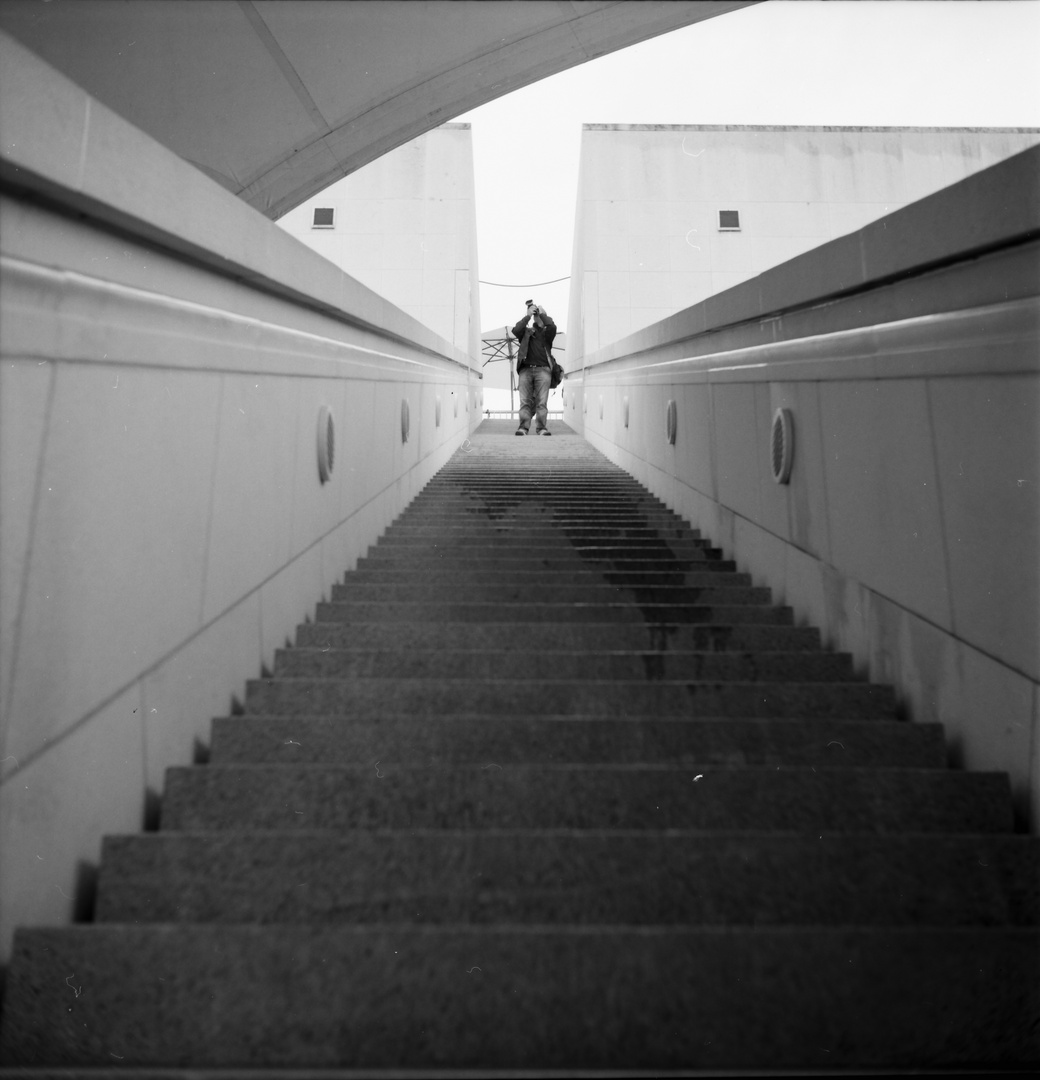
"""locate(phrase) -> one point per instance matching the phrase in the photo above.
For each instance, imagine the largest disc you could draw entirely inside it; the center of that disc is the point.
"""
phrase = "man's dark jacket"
(535, 344)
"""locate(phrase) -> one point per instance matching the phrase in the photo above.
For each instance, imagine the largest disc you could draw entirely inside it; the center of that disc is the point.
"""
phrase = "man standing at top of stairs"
(535, 332)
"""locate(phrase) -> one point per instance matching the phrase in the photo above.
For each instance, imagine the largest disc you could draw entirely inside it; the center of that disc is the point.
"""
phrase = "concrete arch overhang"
(276, 99)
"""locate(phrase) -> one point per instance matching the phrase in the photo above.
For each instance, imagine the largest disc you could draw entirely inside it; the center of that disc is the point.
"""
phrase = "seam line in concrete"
(29, 547)
(167, 656)
(270, 43)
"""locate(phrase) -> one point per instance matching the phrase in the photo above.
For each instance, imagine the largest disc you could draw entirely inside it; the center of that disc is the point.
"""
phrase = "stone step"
(503, 541)
(486, 531)
(446, 611)
(606, 697)
(568, 666)
(766, 799)
(578, 505)
(580, 879)
(387, 571)
(543, 486)
(642, 850)
(540, 481)
(558, 998)
(510, 589)
(673, 553)
(571, 497)
(443, 512)
(634, 636)
(581, 740)
(518, 564)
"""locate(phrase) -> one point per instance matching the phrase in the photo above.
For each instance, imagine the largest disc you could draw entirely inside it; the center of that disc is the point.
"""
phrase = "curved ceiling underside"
(276, 99)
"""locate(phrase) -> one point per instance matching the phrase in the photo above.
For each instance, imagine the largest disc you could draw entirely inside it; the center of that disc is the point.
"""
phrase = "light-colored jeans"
(534, 383)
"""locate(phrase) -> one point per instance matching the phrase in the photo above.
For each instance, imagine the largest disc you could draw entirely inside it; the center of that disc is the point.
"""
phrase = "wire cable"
(534, 285)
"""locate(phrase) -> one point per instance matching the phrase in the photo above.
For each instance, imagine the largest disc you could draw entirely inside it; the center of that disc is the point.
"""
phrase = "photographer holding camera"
(535, 332)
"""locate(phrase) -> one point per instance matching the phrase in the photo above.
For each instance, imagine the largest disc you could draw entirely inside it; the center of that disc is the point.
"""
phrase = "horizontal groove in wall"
(926, 346)
(246, 344)
(26, 186)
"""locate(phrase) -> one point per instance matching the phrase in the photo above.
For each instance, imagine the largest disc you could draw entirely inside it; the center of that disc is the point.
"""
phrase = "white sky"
(954, 63)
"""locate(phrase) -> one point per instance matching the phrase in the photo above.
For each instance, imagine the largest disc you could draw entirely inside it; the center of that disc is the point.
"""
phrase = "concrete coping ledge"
(994, 209)
(66, 148)
(922, 346)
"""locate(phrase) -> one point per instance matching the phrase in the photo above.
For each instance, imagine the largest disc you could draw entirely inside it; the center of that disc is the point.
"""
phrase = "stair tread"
(597, 795)
(483, 737)
(590, 877)
(565, 663)
(606, 996)
(697, 840)
(592, 634)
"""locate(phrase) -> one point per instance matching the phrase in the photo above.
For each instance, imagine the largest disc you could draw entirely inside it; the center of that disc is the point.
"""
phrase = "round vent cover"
(326, 443)
(671, 422)
(406, 420)
(782, 445)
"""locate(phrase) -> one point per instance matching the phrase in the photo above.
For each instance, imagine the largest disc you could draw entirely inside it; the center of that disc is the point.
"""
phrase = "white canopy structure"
(276, 99)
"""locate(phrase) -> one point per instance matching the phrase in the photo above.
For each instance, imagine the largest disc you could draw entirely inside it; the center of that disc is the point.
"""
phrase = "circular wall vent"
(437, 412)
(671, 422)
(782, 445)
(625, 410)
(326, 443)
(406, 420)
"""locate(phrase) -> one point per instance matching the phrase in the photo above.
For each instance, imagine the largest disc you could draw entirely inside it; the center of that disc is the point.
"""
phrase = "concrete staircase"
(549, 785)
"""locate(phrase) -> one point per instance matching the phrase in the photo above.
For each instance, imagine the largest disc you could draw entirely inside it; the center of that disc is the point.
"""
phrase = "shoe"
(545, 431)
(520, 431)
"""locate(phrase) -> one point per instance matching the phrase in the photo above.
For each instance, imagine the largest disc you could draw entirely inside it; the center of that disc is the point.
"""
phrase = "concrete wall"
(647, 238)
(406, 226)
(164, 353)
(909, 356)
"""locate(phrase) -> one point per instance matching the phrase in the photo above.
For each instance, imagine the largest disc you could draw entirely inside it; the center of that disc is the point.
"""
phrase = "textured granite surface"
(443, 663)
(557, 561)
(516, 591)
(464, 829)
(541, 612)
(502, 634)
(706, 577)
(520, 997)
(520, 696)
(592, 797)
(573, 878)
(477, 740)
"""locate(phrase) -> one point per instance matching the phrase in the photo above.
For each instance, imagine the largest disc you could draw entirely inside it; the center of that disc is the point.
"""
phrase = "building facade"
(406, 227)
(668, 215)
